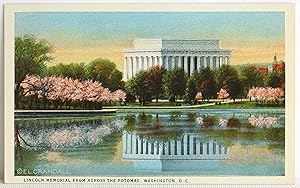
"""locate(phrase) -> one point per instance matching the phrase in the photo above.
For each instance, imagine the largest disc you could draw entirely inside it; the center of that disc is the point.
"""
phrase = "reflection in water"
(67, 136)
(156, 143)
(191, 152)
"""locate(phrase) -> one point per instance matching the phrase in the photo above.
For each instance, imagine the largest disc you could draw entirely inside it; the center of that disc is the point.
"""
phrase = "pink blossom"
(198, 96)
(223, 122)
(67, 89)
(266, 94)
(223, 94)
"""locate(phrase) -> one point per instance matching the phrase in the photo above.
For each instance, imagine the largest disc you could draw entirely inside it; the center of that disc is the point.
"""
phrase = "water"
(218, 142)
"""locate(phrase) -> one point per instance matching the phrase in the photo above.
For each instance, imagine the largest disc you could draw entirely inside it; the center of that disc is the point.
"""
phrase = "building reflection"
(191, 152)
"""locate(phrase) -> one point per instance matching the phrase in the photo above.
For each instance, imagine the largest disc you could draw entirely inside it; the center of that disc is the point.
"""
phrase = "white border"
(290, 94)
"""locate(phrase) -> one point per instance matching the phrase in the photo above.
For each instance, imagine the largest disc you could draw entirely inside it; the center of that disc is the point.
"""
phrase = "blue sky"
(237, 30)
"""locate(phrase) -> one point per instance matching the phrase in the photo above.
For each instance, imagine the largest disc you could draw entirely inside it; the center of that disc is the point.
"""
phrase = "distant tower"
(275, 59)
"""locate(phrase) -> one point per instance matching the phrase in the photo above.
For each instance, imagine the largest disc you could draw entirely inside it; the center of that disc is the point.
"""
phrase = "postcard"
(149, 93)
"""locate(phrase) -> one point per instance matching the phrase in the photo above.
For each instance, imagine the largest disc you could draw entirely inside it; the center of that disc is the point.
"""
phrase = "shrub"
(209, 121)
(234, 122)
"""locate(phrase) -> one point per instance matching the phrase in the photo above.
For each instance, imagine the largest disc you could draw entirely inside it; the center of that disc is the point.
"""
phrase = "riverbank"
(230, 104)
(59, 113)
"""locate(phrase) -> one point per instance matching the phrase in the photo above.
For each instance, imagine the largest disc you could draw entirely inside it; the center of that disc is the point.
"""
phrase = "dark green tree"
(106, 72)
(228, 78)
(191, 90)
(155, 81)
(31, 54)
(175, 81)
(72, 70)
(251, 77)
(206, 83)
(141, 87)
(130, 90)
(274, 79)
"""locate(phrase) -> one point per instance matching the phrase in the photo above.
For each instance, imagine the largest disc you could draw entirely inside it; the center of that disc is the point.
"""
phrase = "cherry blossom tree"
(68, 90)
(267, 94)
(199, 96)
(223, 94)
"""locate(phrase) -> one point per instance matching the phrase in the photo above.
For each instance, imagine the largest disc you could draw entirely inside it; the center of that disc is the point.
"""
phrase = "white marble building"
(189, 54)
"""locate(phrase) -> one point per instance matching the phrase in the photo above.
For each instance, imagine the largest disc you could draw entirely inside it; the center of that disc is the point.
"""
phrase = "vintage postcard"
(149, 93)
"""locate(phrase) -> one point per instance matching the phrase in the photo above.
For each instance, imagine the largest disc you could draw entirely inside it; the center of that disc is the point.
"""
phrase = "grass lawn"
(205, 105)
(244, 104)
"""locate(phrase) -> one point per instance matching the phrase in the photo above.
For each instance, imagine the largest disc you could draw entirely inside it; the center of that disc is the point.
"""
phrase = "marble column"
(166, 63)
(125, 76)
(172, 62)
(160, 61)
(155, 60)
(211, 62)
(151, 62)
(140, 67)
(185, 64)
(198, 63)
(145, 63)
(130, 69)
(133, 66)
(205, 61)
(192, 65)
(217, 61)
(179, 62)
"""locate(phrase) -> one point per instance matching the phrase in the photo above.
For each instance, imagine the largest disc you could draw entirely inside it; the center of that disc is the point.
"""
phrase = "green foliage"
(130, 90)
(251, 77)
(175, 82)
(228, 78)
(233, 122)
(155, 81)
(141, 87)
(191, 116)
(106, 72)
(206, 83)
(31, 54)
(191, 91)
(275, 134)
(274, 79)
(72, 70)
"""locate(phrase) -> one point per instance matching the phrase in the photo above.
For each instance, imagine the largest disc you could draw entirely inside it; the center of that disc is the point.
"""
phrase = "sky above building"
(254, 37)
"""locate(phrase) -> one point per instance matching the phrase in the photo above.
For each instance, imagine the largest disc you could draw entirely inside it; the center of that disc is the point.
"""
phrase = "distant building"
(278, 66)
(263, 70)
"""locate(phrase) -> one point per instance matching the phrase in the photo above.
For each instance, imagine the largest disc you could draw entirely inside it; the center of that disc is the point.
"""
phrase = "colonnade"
(190, 63)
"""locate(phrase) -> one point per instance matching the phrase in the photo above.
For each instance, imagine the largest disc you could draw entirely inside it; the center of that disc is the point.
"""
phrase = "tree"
(251, 77)
(175, 81)
(106, 72)
(72, 70)
(198, 96)
(223, 94)
(191, 91)
(228, 79)
(274, 79)
(30, 57)
(206, 83)
(130, 90)
(155, 81)
(141, 87)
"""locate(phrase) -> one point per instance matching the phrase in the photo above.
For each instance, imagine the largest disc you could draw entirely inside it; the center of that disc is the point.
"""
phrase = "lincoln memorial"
(189, 55)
